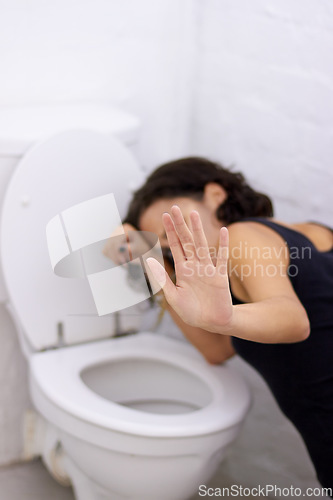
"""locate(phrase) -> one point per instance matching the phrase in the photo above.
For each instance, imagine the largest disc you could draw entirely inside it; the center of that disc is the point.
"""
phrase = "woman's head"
(190, 178)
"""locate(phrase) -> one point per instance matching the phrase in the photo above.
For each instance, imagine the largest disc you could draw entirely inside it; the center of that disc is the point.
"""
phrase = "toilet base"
(86, 489)
(124, 477)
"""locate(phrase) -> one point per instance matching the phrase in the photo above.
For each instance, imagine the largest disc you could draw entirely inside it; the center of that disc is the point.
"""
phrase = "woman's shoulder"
(249, 238)
(272, 231)
(254, 231)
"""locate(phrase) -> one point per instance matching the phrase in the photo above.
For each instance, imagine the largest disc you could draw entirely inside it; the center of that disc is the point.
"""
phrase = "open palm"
(201, 296)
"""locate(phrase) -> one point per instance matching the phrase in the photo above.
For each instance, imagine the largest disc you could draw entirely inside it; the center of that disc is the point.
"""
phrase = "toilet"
(135, 417)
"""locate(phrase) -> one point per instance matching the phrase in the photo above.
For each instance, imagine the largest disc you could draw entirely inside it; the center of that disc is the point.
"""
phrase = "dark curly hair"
(188, 177)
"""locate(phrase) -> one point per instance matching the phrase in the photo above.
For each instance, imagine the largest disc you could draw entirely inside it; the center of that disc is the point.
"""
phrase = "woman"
(271, 302)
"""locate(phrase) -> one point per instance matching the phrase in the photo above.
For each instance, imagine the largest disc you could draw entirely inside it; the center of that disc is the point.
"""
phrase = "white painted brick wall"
(264, 98)
(133, 54)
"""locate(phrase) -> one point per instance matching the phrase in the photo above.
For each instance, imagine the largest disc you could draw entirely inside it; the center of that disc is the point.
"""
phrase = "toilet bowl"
(143, 416)
(135, 417)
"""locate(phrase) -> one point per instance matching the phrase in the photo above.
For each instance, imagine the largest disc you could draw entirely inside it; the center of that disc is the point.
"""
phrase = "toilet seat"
(56, 377)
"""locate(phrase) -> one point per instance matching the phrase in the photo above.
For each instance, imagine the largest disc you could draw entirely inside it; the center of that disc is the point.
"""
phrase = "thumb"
(162, 277)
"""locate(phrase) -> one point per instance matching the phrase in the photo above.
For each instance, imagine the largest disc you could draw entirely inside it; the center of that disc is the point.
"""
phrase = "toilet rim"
(64, 389)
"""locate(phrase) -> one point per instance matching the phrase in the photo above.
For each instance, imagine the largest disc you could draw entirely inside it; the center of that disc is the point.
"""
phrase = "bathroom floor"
(31, 481)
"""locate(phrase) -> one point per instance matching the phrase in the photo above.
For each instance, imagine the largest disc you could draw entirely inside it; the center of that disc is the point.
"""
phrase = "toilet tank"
(21, 128)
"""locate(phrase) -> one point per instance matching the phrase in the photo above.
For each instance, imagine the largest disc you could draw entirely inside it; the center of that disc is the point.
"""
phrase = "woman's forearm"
(214, 347)
(275, 320)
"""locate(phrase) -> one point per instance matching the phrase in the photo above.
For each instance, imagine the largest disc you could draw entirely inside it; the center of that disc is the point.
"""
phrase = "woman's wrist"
(222, 324)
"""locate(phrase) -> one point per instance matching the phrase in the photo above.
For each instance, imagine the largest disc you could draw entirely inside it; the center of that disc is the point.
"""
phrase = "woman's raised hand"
(201, 296)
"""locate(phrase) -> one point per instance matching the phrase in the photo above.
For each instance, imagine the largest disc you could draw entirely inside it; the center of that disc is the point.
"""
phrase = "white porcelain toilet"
(138, 417)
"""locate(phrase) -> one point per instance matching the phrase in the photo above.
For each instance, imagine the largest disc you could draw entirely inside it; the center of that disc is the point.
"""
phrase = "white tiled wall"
(246, 83)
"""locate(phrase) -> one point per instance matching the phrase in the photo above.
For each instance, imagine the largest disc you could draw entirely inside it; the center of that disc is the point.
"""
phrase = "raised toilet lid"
(65, 170)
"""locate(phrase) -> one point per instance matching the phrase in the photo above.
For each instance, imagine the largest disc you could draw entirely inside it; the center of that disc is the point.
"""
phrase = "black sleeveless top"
(300, 375)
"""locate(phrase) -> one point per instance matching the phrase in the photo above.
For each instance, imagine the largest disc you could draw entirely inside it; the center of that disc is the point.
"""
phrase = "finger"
(199, 237)
(173, 240)
(223, 252)
(162, 278)
(184, 234)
